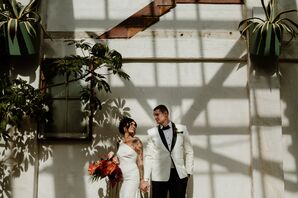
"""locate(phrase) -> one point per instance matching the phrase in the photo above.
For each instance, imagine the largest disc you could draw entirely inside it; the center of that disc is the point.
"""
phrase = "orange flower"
(92, 167)
(100, 169)
(116, 176)
(111, 166)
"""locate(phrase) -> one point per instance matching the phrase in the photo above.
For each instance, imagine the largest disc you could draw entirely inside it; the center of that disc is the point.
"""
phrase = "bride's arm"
(144, 185)
(140, 161)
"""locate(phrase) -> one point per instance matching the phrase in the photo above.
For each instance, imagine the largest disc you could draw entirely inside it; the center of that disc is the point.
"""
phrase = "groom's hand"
(144, 186)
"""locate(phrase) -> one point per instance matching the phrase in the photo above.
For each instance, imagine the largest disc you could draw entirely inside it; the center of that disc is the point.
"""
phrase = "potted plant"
(21, 26)
(265, 37)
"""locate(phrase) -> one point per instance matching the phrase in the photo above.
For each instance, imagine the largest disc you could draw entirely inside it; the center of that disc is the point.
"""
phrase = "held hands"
(144, 186)
(113, 157)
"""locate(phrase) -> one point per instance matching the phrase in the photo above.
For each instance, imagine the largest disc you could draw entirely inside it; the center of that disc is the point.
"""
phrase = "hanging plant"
(265, 37)
(21, 26)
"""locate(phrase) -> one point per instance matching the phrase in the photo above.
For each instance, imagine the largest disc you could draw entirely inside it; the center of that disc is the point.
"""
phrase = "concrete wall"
(243, 132)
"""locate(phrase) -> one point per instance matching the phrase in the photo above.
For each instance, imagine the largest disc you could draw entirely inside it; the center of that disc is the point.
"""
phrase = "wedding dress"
(131, 178)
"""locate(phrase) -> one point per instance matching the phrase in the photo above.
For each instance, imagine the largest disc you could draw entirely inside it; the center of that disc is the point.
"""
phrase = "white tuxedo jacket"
(158, 158)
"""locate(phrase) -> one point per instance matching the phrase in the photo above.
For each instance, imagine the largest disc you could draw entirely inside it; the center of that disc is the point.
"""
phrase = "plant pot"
(264, 65)
(24, 43)
(264, 51)
(23, 52)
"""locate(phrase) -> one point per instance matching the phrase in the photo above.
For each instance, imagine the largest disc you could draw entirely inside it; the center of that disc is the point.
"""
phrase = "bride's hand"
(144, 186)
(113, 157)
(115, 160)
(111, 154)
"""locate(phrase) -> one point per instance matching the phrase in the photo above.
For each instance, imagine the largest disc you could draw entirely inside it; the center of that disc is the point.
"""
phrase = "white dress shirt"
(169, 135)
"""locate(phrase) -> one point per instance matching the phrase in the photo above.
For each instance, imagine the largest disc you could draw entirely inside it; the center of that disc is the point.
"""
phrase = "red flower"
(92, 168)
(116, 176)
(102, 168)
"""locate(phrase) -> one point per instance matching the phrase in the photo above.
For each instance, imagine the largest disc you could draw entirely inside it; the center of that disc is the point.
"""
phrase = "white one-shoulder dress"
(131, 177)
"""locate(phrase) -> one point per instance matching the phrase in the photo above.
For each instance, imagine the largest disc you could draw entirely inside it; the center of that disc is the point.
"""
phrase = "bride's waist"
(130, 171)
(127, 165)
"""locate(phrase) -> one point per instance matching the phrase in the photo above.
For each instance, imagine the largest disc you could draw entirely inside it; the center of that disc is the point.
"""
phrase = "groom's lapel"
(174, 136)
(163, 138)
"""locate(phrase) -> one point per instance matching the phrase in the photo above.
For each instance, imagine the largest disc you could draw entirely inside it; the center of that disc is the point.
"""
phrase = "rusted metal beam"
(140, 20)
(210, 1)
(165, 2)
(149, 15)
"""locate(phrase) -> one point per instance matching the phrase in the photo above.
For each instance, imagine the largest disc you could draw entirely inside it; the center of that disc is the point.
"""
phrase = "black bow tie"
(165, 127)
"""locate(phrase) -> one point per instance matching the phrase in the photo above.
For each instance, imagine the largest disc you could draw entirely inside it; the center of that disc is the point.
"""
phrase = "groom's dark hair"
(124, 122)
(161, 108)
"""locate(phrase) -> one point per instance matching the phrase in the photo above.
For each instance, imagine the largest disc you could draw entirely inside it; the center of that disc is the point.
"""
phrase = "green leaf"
(29, 28)
(13, 45)
(265, 9)
(12, 28)
(2, 23)
(28, 8)
(27, 38)
(102, 84)
(12, 4)
(4, 15)
(284, 12)
(289, 21)
(249, 20)
(269, 11)
(99, 50)
(254, 38)
(123, 75)
(268, 39)
(278, 32)
(277, 43)
(21, 13)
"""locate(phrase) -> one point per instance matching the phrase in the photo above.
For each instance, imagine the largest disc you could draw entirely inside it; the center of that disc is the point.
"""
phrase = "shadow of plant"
(17, 154)
(106, 136)
(20, 107)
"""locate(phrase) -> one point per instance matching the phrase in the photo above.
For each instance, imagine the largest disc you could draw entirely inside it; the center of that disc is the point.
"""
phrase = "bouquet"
(105, 168)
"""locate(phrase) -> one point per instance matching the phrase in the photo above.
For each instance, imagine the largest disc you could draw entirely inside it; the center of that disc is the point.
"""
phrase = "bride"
(130, 159)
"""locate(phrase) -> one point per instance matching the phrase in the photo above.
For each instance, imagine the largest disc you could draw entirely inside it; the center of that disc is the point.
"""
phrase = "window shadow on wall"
(288, 89)
(289, 86)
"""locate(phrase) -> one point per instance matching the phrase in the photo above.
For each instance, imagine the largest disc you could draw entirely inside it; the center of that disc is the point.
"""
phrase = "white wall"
(211, 97)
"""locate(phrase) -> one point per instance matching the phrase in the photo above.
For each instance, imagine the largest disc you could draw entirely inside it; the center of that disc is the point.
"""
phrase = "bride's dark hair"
(124, 122)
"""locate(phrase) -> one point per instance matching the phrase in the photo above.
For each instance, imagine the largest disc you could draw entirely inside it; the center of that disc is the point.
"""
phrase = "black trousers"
(175, 186)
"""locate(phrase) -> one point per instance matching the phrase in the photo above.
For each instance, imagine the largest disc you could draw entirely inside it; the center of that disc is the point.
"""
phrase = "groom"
(168, 157)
